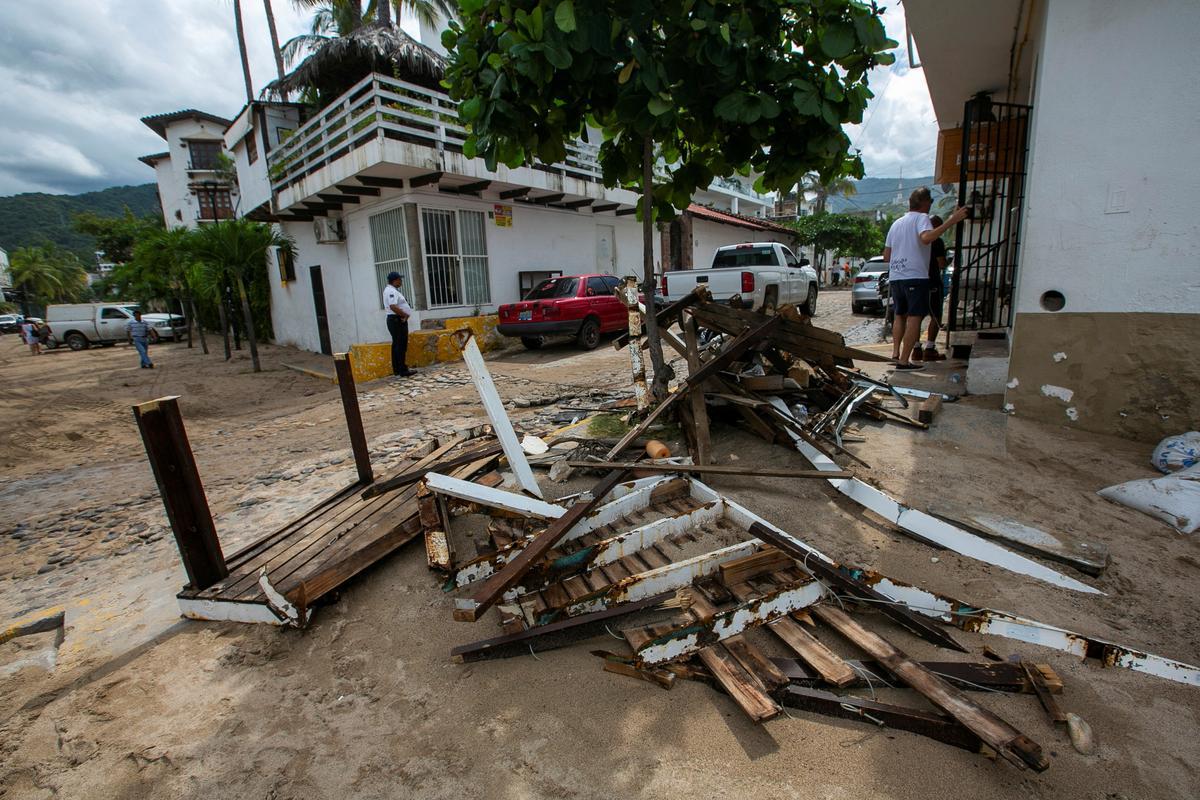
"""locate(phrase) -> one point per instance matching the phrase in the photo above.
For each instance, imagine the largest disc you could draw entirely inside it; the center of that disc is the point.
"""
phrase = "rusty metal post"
(174, 466)
(354, 425)
(628, 295)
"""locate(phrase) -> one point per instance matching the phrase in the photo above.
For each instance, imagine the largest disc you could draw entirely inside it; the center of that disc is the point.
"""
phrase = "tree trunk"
(233, 321)
(241, 37)
(661, 374)
(383, 11)
(274, 40)
(199, 327)
(249, 321)
(183, 313)
(224, 326)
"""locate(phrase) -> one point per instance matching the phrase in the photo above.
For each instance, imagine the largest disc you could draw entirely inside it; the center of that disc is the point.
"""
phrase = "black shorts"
(910, 298)
(937, 299)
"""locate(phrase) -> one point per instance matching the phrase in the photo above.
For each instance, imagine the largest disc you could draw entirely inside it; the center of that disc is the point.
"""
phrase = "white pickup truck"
(764, 275)
(79, 325)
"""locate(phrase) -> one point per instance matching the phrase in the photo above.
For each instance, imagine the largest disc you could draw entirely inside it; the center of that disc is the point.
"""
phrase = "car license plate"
(525, 315)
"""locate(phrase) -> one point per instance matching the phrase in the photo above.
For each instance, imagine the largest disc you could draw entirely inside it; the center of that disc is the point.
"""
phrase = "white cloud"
(899, 130)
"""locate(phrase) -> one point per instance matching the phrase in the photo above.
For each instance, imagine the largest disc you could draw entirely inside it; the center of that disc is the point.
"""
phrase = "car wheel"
(810, 304)
(770, 301)
(533, 342)
(856, 308)
(77, 341)
(589, 334)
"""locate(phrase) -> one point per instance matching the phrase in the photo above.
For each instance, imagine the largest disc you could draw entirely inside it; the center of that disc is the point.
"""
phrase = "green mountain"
(37, 218)
(882, 194)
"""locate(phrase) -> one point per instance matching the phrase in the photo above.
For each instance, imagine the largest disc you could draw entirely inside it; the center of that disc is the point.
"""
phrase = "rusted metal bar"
(174, 466)
(926, 723)
(829, 572)
(354, 423)
(469, 610)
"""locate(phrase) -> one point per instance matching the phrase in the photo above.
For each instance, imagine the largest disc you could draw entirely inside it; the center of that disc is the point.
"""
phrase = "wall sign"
(503, 215)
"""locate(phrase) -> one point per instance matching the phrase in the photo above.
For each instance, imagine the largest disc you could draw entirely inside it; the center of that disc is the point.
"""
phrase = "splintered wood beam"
(386, 183)
(1003, 676)
(1012, 745)
(469, 610)
(509, 194)
(354, 424)
(926, 723)
(369, 191)
(691, 339)
(425, 180)
(161, 425)
(732, 351)
(828, 571)
(1034, 675)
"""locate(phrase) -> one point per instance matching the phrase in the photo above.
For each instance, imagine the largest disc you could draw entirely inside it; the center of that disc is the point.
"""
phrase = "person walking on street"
(398, 312)
(29, 335)
(937, 298)
(139, 335)
(907, 254)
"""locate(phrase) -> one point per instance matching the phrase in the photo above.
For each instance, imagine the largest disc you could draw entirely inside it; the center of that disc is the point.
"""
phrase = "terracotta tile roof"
(729, 218)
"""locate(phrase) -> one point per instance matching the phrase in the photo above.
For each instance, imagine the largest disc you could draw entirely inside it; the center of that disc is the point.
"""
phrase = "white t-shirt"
(393, 297)
(910, 258)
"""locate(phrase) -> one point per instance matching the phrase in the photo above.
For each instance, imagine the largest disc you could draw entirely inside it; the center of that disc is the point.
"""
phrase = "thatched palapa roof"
(344, 60)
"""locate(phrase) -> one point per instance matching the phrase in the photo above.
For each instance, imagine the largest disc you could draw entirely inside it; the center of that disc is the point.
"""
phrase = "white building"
(5, 275)
(1080, 164)
(377, 182)
(193, 184)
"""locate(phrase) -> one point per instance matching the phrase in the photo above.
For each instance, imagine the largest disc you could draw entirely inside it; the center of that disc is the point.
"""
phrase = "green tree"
(712, 89)
(844, 234)
(47, 274)
(823, 189)
(234, 252)
(116, 236)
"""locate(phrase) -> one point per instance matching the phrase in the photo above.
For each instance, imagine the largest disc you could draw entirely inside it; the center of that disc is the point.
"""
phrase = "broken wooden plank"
(664, 316)
(469, 610)
(414, 475)
(1007, 741)
(706, 469)
(494, 407)
(691, 340)
(553, 635)
(1089, 557)
(354, 424)
(1056, 714)
(749, 338)
(828, 571)
(659, 677)
(745, 690)
(926, 723)
(765, 561)
(492, 498)
(966, 675)
(689, 639)
(929, 408)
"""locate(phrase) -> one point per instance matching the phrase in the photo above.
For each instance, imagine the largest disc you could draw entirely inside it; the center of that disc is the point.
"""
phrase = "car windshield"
(745, 257)
(554, 287)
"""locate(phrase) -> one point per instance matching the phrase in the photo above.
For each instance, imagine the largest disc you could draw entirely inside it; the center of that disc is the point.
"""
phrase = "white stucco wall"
(1113, 218)
(293, 315)
(708, 235)
(172, 173)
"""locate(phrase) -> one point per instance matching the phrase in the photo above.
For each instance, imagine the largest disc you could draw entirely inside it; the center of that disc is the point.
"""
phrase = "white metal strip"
(499, 418)
(492, 497)
(220, 611)
(927, 527)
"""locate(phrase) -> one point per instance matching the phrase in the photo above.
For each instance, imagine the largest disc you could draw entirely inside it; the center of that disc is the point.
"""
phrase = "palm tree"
(274, 38)
(241, 37)
(161, 264)
(236, 251)
(47, 274)
(812, 183)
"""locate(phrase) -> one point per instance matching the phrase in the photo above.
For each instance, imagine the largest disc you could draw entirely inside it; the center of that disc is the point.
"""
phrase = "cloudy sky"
(79, 74)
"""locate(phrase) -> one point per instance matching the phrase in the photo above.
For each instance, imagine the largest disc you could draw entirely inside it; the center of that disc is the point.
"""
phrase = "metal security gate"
(991, 185)
(456, 258)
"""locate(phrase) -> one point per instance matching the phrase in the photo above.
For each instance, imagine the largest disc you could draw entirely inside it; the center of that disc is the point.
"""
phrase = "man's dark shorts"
(937, 300)
(911, 298)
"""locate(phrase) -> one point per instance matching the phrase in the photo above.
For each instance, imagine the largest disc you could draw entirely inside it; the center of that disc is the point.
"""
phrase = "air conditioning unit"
(329, 230)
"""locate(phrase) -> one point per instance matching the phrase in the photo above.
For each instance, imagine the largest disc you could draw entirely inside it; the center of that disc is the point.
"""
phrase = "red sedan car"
(582, 306)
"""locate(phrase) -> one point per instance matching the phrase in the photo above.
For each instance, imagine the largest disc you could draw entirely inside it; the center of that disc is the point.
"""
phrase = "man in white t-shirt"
(907, 253)
(398, 312)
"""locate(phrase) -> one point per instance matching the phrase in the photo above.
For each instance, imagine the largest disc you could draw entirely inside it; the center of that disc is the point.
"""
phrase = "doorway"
(318, 290)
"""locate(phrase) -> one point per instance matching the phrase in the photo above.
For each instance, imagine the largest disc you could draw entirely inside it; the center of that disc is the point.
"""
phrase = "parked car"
(80, 325)
(583, 306)
(10, 323)
(763, 275)
(864, 294)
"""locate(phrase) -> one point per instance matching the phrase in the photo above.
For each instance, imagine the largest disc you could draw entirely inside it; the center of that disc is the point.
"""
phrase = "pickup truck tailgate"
(721, 283)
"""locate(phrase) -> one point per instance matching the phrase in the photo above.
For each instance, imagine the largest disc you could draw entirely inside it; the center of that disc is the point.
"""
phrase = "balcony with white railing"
(379, 107)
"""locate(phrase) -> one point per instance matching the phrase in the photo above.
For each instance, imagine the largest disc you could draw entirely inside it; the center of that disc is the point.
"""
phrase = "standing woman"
(29, 333)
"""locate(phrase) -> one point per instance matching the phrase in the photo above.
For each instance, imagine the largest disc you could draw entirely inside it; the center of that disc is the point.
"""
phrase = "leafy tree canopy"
(48, 274)
(844, 234)
(759, 86)
(116, 236)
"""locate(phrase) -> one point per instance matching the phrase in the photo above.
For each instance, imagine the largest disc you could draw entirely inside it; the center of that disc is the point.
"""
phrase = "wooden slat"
(511, 573)
(744, 688)
(703, 454)
(929, 408)
(740, 570)
(1007, 741)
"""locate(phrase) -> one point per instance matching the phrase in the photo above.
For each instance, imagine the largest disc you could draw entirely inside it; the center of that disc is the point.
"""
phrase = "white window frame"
(403, 264)
(456, 230)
